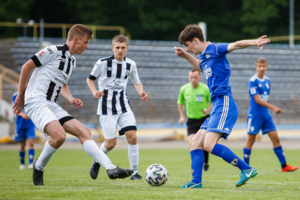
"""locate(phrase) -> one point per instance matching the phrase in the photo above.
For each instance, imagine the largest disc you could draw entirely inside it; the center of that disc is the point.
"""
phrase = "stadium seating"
(162, 74)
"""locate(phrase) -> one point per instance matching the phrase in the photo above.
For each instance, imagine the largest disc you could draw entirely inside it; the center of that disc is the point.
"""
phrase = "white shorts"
(124, 122)
(43, 112)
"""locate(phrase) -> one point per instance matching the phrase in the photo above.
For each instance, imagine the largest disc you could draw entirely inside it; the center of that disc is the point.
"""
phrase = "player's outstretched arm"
(247, 43)
(25, 73)
(65, 92)
(97, 94)
(261, 102)
(140, 91)
(183, 54)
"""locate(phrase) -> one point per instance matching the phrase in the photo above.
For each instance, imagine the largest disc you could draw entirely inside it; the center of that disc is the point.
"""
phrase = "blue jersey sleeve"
(252, 88)
(222, 49)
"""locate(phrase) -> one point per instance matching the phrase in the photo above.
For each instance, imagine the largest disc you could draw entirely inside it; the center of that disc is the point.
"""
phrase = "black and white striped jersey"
(55, 66)
(112, 79)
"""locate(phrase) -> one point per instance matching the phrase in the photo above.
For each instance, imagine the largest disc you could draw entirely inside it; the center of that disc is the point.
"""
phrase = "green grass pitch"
(67, 177)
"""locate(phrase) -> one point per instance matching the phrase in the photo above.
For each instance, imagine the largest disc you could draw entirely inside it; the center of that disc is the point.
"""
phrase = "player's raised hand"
(76, 102)
(98, 94)
(277, 110)
(19, 103)
(179, 52)
(144, 97)
(261, 41)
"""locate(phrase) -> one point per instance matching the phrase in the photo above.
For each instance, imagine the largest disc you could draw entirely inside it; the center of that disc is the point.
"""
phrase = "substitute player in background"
(259, 117)
(215, 66)
(196, 96)
(25, 130)
(53, 67)
(114, 109)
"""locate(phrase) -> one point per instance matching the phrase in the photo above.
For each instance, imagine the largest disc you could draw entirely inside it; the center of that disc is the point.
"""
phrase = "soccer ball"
(156, 175)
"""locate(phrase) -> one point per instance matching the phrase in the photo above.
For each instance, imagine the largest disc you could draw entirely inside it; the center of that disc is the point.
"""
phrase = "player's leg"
(279, 152)
(108, 123)
(197, 157)
(22, 154)
(248, 146)
(223, 117)
(206, 154)
(126, 125)
(30, 135)
(77, 129)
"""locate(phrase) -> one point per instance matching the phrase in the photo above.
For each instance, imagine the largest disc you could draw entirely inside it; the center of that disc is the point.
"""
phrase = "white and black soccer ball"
(156, 175)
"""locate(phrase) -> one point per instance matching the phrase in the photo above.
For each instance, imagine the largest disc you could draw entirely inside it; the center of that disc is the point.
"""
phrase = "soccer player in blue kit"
(259, 117)
(214, 64)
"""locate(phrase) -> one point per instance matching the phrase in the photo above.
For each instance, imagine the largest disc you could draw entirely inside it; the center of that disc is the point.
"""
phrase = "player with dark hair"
(25, 130)
(115, 113)
(196, 96)
(215, 66)
(259, 117)
(53, 66)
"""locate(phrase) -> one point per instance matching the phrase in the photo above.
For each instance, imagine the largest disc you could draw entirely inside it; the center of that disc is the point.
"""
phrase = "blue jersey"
(215, 66)
(22, 123)
(262, 88)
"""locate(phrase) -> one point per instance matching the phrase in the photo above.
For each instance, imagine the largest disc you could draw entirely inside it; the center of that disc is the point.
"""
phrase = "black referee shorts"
(193, 125)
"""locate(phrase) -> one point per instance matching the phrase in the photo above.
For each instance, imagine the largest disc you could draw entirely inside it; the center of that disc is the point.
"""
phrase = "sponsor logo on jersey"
(127, 73)
(259, 85)
(50, 50)
(207, 72)
(41, 53)
(108, 69)
(226, 129)
(207, 55)
(234, 162)
(264, 97)
(252, 90)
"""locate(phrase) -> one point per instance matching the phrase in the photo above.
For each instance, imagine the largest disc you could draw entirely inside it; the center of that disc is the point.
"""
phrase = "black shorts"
(195, 124)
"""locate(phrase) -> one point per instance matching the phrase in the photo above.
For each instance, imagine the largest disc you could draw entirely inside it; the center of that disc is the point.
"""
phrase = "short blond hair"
(79, 30)
(120, 38)
(261, 60)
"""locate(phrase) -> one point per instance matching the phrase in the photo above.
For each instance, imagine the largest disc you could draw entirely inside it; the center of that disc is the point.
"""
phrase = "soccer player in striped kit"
(115, 113)
(53, 67)
(215, 66)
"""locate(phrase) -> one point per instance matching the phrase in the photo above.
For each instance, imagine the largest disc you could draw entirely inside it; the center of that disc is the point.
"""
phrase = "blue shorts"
(24, 134)
(223, 116)
(264, 123)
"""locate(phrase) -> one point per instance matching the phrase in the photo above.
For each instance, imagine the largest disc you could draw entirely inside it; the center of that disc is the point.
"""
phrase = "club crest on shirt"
(108, 69)
(199, 98)
(117, 82)
(127, 73)
(41, 53)
(267, 85)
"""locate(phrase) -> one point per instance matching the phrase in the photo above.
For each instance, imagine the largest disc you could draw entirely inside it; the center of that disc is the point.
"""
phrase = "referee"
(196, 96)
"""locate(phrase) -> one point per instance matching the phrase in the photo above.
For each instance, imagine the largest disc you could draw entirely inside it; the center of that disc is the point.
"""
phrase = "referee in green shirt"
(196, 96)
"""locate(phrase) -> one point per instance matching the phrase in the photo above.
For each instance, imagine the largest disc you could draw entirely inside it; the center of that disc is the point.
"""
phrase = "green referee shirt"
(195, 99)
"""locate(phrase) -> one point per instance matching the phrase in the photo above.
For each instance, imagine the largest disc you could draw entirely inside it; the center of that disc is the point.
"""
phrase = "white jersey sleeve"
(134, 76)
(96, 71)
(45, 56)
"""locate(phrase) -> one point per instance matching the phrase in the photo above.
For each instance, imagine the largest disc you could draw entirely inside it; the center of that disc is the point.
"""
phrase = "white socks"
(45, 156)
(102, 147)
(133, 155)
(92, 149)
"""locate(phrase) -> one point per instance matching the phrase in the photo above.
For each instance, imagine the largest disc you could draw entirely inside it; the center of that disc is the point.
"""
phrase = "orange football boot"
(289, 168)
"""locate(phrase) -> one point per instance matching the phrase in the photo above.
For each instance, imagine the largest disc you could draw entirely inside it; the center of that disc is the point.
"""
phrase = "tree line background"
(227, 20)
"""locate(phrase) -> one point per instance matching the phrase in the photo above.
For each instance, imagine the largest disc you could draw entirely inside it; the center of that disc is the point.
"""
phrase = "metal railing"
(64, 28)
(9, 76)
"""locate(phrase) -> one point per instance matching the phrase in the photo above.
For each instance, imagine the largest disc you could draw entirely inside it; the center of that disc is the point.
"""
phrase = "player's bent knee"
(110, 146)
(208, 147)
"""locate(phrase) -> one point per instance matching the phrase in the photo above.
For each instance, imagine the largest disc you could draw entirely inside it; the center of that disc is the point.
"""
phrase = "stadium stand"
(162, 74)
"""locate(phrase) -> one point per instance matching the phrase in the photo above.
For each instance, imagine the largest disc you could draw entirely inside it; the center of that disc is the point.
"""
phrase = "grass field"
(67, 177)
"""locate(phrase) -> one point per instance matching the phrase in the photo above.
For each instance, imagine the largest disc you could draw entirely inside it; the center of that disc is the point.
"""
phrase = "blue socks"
(227, 155)
(30, 155)
(247, 153)
(22, 157)
(280, 155)
(197, 157)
